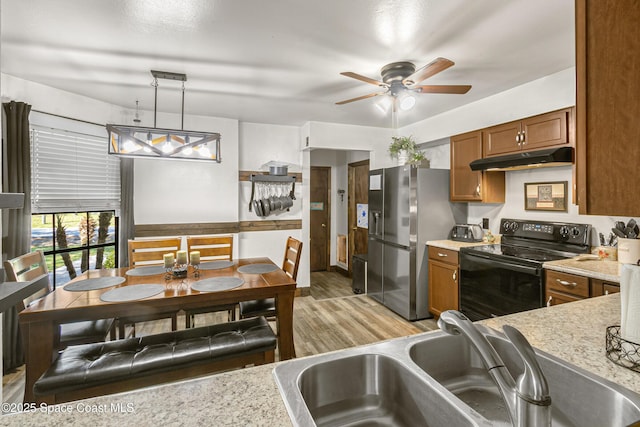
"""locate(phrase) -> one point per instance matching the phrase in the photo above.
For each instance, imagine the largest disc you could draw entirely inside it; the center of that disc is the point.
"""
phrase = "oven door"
(492, 287)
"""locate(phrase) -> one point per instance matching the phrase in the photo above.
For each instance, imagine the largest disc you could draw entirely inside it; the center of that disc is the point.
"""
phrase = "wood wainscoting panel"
(188, 229)
(267, 225)
(194, 229)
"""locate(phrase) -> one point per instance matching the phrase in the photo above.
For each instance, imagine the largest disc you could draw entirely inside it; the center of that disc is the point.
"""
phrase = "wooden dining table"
(40, 321)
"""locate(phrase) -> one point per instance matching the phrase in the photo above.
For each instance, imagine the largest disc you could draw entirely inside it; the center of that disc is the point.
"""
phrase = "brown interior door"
(358, 194)
(320, 218)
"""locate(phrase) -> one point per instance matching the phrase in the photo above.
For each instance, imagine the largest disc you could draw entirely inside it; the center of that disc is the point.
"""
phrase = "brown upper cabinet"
(608, 106)
(472, 186)
(543, 131)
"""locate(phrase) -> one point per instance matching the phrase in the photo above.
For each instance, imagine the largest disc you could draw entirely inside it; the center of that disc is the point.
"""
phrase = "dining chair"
(144, 253)
(290, 264)
(29, 266)
(211, 248)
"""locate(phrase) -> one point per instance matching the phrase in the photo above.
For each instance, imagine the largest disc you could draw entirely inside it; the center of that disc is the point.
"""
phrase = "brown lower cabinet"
(564, 287)
(443, 280)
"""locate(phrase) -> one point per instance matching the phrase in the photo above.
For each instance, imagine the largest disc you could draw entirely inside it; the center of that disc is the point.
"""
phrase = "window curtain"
(126, 224)
(16, 223)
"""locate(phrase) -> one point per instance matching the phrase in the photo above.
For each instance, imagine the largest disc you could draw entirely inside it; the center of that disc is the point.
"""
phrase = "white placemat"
(257, 268)
(216, 284)
(215, 265)
(151, 270)
(131, 293)
(94, 284)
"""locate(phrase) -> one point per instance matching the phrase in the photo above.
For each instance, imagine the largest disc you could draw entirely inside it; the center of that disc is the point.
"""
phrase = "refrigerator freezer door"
(397, 280)
(374, 270)
(396, 205)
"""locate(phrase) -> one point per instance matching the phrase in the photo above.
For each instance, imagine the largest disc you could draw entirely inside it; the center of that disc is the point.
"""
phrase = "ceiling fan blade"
(454, 89)
(363, 78)
(371, 95)
(432, 68)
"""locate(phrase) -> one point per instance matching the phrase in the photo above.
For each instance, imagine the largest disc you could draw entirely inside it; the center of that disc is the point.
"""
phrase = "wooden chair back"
(25, 268)
(292, 253)
(211, 247)
(151, 252)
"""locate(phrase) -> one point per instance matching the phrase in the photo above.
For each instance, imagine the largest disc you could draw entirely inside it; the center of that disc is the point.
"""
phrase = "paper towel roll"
(630, 307)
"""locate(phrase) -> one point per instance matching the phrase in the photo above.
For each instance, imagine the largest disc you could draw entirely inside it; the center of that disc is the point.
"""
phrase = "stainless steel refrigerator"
(407, 207)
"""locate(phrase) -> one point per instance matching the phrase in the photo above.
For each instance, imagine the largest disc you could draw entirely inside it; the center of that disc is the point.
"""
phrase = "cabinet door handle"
(565, 283)
(518, 138)
(455, 275)
(549, 301)
(523, 140)
(440, 254)
(606, 292)
(478, 190)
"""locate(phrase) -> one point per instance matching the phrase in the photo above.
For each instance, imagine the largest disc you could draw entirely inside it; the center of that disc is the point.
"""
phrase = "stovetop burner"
(523, 253)
(537, 242)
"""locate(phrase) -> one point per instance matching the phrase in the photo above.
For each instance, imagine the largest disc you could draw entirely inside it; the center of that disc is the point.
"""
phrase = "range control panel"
(549, 231)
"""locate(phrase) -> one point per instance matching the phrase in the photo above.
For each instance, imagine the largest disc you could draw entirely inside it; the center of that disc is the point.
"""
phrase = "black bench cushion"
(259, 307)
(95, 364)
(87, 331)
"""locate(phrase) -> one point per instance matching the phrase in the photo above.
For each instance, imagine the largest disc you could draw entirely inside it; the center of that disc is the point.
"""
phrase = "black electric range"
(507, 278)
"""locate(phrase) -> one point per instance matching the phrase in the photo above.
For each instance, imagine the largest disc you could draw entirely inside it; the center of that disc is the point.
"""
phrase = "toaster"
(466, 233)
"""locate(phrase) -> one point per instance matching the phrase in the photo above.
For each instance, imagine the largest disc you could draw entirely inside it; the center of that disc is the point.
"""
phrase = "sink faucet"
(527, 399)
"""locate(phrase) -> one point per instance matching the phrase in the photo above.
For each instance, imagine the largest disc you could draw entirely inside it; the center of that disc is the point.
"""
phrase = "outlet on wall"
(485, 223)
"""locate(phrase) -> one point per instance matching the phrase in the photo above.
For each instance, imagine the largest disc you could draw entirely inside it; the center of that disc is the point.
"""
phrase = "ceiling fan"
(401, 77)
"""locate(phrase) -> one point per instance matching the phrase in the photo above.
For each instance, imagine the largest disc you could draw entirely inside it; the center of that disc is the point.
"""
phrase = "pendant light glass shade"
(138, 141)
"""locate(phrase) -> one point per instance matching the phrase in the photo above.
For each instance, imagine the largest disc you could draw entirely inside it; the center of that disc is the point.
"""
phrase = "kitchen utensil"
(611, 236)
(618, 232)
(631, 224)
(601, 239)
(620, 225)
(266, 208)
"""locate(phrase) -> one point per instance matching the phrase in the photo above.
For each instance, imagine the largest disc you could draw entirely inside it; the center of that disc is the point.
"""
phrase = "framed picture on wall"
(545, 196)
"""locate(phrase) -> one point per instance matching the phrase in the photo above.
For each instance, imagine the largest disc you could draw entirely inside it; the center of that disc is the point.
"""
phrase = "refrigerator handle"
(376, 223)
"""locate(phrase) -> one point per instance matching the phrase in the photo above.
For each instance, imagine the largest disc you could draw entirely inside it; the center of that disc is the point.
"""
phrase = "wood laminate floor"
(331, 318)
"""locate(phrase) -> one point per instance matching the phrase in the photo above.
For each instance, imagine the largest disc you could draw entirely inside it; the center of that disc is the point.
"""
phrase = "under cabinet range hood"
(526, 160)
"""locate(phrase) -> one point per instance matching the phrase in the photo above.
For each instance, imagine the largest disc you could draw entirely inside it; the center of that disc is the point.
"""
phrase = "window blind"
(71, 171)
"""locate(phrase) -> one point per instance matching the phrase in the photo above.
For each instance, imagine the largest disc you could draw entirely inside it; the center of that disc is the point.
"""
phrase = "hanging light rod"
(138, 141)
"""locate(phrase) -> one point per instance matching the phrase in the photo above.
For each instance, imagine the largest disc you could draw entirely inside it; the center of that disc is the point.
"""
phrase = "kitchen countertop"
(596, 269)
(574, 332)
(454, 245)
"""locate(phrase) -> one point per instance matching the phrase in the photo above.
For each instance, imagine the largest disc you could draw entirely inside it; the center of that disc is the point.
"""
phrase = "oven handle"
(502, 264)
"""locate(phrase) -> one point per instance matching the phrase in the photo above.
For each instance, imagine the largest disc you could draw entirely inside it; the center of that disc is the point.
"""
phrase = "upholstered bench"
(96, 369)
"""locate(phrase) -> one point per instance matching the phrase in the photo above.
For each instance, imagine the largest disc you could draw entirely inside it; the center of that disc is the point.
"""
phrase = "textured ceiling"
(279, 61)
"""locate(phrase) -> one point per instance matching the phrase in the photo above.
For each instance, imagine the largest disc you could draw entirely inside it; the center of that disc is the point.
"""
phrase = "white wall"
(350, 137)
(174, 192)
(514, 203)
(260, 143)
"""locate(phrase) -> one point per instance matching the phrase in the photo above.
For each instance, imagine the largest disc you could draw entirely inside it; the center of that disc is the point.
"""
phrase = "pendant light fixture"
(145, 142)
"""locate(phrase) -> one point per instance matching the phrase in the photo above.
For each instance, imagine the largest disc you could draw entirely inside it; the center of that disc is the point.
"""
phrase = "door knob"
(324, 225)
(355, 228)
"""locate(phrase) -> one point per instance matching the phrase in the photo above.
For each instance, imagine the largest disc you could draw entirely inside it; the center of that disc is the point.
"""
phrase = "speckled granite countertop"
(453, 245)
(597, 269)
(574, 332)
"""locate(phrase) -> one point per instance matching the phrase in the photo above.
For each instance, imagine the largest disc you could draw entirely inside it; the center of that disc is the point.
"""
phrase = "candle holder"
(168, 273)
(179, 271)
(196, 270)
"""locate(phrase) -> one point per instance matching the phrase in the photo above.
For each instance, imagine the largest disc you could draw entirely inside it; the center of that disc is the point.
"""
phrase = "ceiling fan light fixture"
(406, 101)
(144, 142)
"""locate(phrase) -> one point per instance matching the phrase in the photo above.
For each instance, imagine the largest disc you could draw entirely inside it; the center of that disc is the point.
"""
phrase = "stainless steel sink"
(372, 389)
(436, 379)
(578, 397)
